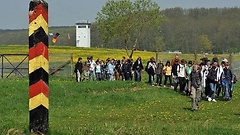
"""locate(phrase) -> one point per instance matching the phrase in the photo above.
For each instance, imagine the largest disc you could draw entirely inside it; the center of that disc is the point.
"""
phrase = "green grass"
(117, 108)
(114, 107)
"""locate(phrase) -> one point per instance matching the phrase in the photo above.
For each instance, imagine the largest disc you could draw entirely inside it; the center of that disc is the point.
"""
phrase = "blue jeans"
(99, 76)
(137, 76)
(151, 79)
(159, 79)
(176, 81)
(231, 91)
(91, 75)
(228, 89)
(213, 90)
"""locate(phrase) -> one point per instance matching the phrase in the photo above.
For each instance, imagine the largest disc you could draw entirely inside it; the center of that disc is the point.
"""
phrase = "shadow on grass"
(187, 108)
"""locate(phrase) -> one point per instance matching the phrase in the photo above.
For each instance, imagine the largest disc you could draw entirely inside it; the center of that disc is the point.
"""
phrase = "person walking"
(227, 80)
(152, 70)
(188, 72)
(159, 73)
(212, 77)
(92, 68)
(127, 69)
(78, 69)
(167, 70)
(195, 83)
(175, 68)
(181, 73)
(137, 68)
(98, 71)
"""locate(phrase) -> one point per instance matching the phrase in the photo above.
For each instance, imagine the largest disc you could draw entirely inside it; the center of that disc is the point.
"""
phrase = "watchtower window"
(82, 26)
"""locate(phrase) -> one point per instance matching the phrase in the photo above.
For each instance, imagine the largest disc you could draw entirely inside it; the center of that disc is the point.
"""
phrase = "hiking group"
(208, 79)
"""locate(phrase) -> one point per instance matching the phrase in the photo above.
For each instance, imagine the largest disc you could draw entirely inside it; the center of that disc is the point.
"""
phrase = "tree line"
(214, 30)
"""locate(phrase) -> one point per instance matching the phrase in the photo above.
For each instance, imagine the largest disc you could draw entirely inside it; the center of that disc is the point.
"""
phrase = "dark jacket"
(126, 68)
(174, 69)
(138, 65)
(228, 74)
(195, 79)
(159, 69)
(79, 67)
(212, 75)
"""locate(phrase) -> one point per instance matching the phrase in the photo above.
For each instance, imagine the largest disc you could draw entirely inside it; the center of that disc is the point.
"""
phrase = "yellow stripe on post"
(38, 100)
(38, 67)
(38, 62)
(37, 23)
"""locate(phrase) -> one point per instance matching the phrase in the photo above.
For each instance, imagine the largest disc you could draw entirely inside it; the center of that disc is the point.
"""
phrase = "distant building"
(83, 34)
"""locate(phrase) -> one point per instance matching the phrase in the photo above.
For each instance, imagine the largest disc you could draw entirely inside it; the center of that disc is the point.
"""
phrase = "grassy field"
(114, 107)
(117, 108)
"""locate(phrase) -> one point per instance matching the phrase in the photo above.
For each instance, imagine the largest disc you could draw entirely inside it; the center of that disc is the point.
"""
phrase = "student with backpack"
(152, 70)
(181, 72)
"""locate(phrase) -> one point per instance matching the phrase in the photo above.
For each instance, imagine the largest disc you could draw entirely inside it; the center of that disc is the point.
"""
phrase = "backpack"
(146, 68)
(234, 79)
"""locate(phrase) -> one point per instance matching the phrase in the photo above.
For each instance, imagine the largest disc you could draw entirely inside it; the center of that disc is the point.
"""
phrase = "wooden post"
(157, 56)
(230, 59)
(195, 56)
(38, 67)
(71, 64)
(2, 67)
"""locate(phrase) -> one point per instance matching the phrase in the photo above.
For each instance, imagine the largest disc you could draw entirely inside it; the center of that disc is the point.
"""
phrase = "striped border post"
(38, 67)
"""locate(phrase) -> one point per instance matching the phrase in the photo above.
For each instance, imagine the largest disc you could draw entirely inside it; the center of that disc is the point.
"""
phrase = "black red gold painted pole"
(38, 67)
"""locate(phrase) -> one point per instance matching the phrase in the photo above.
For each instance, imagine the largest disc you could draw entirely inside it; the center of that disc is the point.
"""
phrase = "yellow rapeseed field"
(98, 53)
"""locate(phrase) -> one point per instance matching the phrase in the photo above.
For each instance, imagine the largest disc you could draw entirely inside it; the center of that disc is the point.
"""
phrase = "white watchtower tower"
(83, 34)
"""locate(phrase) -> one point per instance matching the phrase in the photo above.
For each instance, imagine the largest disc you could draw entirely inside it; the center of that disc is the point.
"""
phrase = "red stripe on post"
(38, 10)
(39, 49)
(37, 88)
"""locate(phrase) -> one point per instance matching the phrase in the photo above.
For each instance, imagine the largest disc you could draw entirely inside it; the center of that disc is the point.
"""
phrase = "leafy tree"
(160, 44)
(205, 43)
(126, 21)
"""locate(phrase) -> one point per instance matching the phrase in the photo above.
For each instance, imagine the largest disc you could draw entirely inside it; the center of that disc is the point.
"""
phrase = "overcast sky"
(14, 13)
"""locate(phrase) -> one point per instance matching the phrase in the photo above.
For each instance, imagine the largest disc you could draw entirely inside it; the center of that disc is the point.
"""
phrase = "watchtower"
(83, 29)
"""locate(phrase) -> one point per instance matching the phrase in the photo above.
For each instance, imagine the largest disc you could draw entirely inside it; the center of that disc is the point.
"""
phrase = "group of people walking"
(210, 78)
(110, 69)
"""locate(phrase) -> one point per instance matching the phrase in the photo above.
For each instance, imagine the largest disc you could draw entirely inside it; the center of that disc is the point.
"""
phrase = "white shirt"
(92, 65)
(181, 71)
